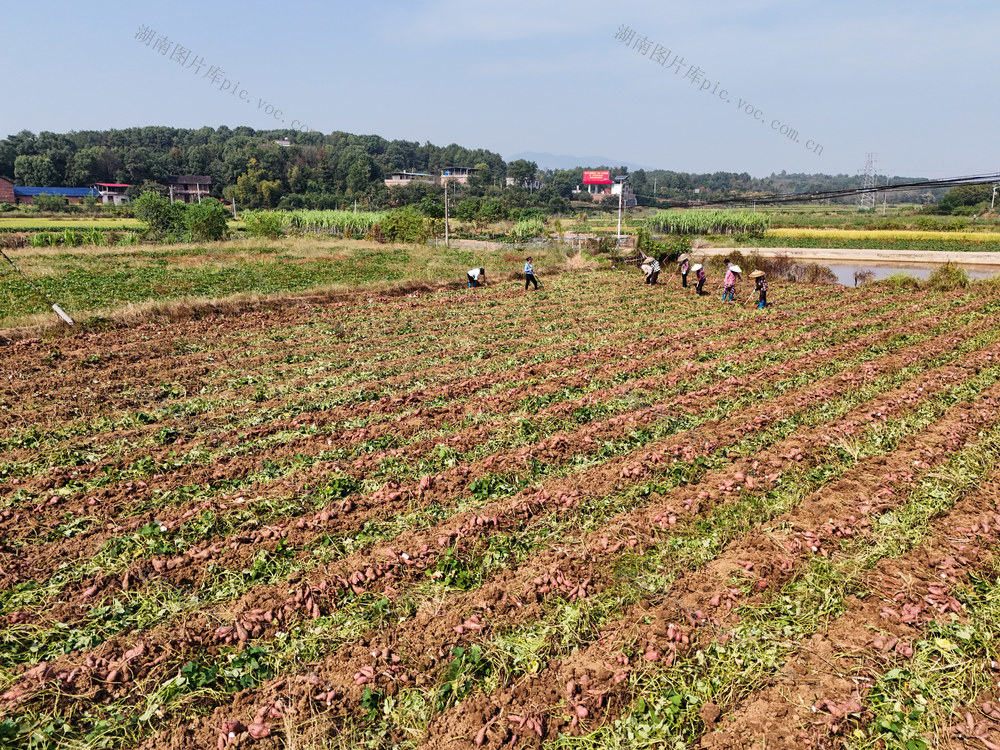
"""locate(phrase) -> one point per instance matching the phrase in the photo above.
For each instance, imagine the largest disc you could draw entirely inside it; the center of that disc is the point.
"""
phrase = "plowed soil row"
(897, 400)
(820, 694)
(438, 491)
(86, 544)
(550, 555)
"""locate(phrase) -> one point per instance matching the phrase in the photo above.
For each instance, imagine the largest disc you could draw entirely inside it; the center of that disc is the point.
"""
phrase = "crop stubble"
(539, 479)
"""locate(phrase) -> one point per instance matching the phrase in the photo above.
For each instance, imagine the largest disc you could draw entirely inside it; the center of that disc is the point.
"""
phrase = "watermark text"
(216, 76)
(697, 77)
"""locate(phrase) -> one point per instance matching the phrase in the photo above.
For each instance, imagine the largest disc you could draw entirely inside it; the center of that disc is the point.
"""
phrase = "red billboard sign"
(596, 177)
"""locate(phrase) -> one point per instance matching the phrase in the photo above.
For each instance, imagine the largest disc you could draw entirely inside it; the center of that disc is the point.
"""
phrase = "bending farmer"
(476, 277)
(699, 272)
(760, 286)
(730, 281)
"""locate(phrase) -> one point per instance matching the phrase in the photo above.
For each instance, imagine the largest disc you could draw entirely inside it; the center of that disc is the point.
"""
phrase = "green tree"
(404, 225)
(35, 171)
(965, 195)
(206, 220)
(161, 217)
(522, 171)
(253, 189)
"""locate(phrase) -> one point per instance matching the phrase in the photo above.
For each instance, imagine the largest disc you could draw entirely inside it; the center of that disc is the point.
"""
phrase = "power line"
(819, 195)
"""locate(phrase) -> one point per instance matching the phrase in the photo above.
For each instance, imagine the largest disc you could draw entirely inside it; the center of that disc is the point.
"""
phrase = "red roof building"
(113, 192)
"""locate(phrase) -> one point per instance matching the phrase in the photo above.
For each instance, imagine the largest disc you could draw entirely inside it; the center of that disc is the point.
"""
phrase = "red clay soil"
(46, 558)
(586, 682)
(703, 600)
(429, 636)
(817, 699)
(183, 570)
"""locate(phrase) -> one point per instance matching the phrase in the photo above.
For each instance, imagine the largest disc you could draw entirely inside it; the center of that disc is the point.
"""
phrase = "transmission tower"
(866, 200)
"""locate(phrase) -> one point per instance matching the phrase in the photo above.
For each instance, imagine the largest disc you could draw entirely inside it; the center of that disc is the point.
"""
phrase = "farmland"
(600, 515)
(94, 282)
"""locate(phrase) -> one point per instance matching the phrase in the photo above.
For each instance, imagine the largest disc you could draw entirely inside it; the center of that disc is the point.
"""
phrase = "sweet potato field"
(603, 515)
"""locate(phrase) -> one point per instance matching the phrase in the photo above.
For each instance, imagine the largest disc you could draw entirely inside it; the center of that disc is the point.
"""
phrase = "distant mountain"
(565, 161)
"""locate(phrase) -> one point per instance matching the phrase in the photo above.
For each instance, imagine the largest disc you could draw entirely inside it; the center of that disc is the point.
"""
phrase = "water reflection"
(845, 271)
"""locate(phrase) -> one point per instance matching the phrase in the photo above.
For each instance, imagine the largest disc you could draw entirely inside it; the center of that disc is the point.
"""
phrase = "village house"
(189, 188)
(17, 195)
(460, 175)
(396, 179)
(113, 192)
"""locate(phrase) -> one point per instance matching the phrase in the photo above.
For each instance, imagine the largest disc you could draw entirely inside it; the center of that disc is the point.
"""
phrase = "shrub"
(863, 276)
(45, 202)
(665, 250)
(900, 282)
(948, 277)
(161, 217)
(5, 207)
(13, 240)
(404, 225)
(263, 224)
(526, 230)
(206, 220)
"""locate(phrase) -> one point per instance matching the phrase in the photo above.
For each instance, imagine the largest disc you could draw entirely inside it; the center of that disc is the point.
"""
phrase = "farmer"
(529, 273)
(760, 286)
(730, 281)
(654, 270)
(476, 277)
(684, 266)
(699, 273)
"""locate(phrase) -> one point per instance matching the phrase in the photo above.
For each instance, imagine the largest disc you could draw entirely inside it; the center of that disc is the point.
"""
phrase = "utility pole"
(443, 177)
(618, 236)
(993, 199)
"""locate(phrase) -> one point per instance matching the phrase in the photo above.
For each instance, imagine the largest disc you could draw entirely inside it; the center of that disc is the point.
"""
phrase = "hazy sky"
(914, 82)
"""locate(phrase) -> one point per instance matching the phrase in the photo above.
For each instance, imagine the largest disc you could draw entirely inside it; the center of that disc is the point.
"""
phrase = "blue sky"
(913, 82)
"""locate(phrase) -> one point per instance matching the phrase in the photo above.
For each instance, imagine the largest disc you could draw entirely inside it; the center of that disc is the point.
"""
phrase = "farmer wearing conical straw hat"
(760, 286)
(683, 266)
(729, 282)
(699, 272)
(650, 268)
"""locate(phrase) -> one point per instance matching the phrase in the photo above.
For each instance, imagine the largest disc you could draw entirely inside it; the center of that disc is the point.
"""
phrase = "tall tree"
(35, 171)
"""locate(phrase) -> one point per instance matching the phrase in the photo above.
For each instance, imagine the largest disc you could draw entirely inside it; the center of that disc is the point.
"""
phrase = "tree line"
(338, 170)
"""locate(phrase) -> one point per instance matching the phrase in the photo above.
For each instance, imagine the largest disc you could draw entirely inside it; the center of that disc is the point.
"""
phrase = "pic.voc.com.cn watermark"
(215, 75)
(659, 54)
